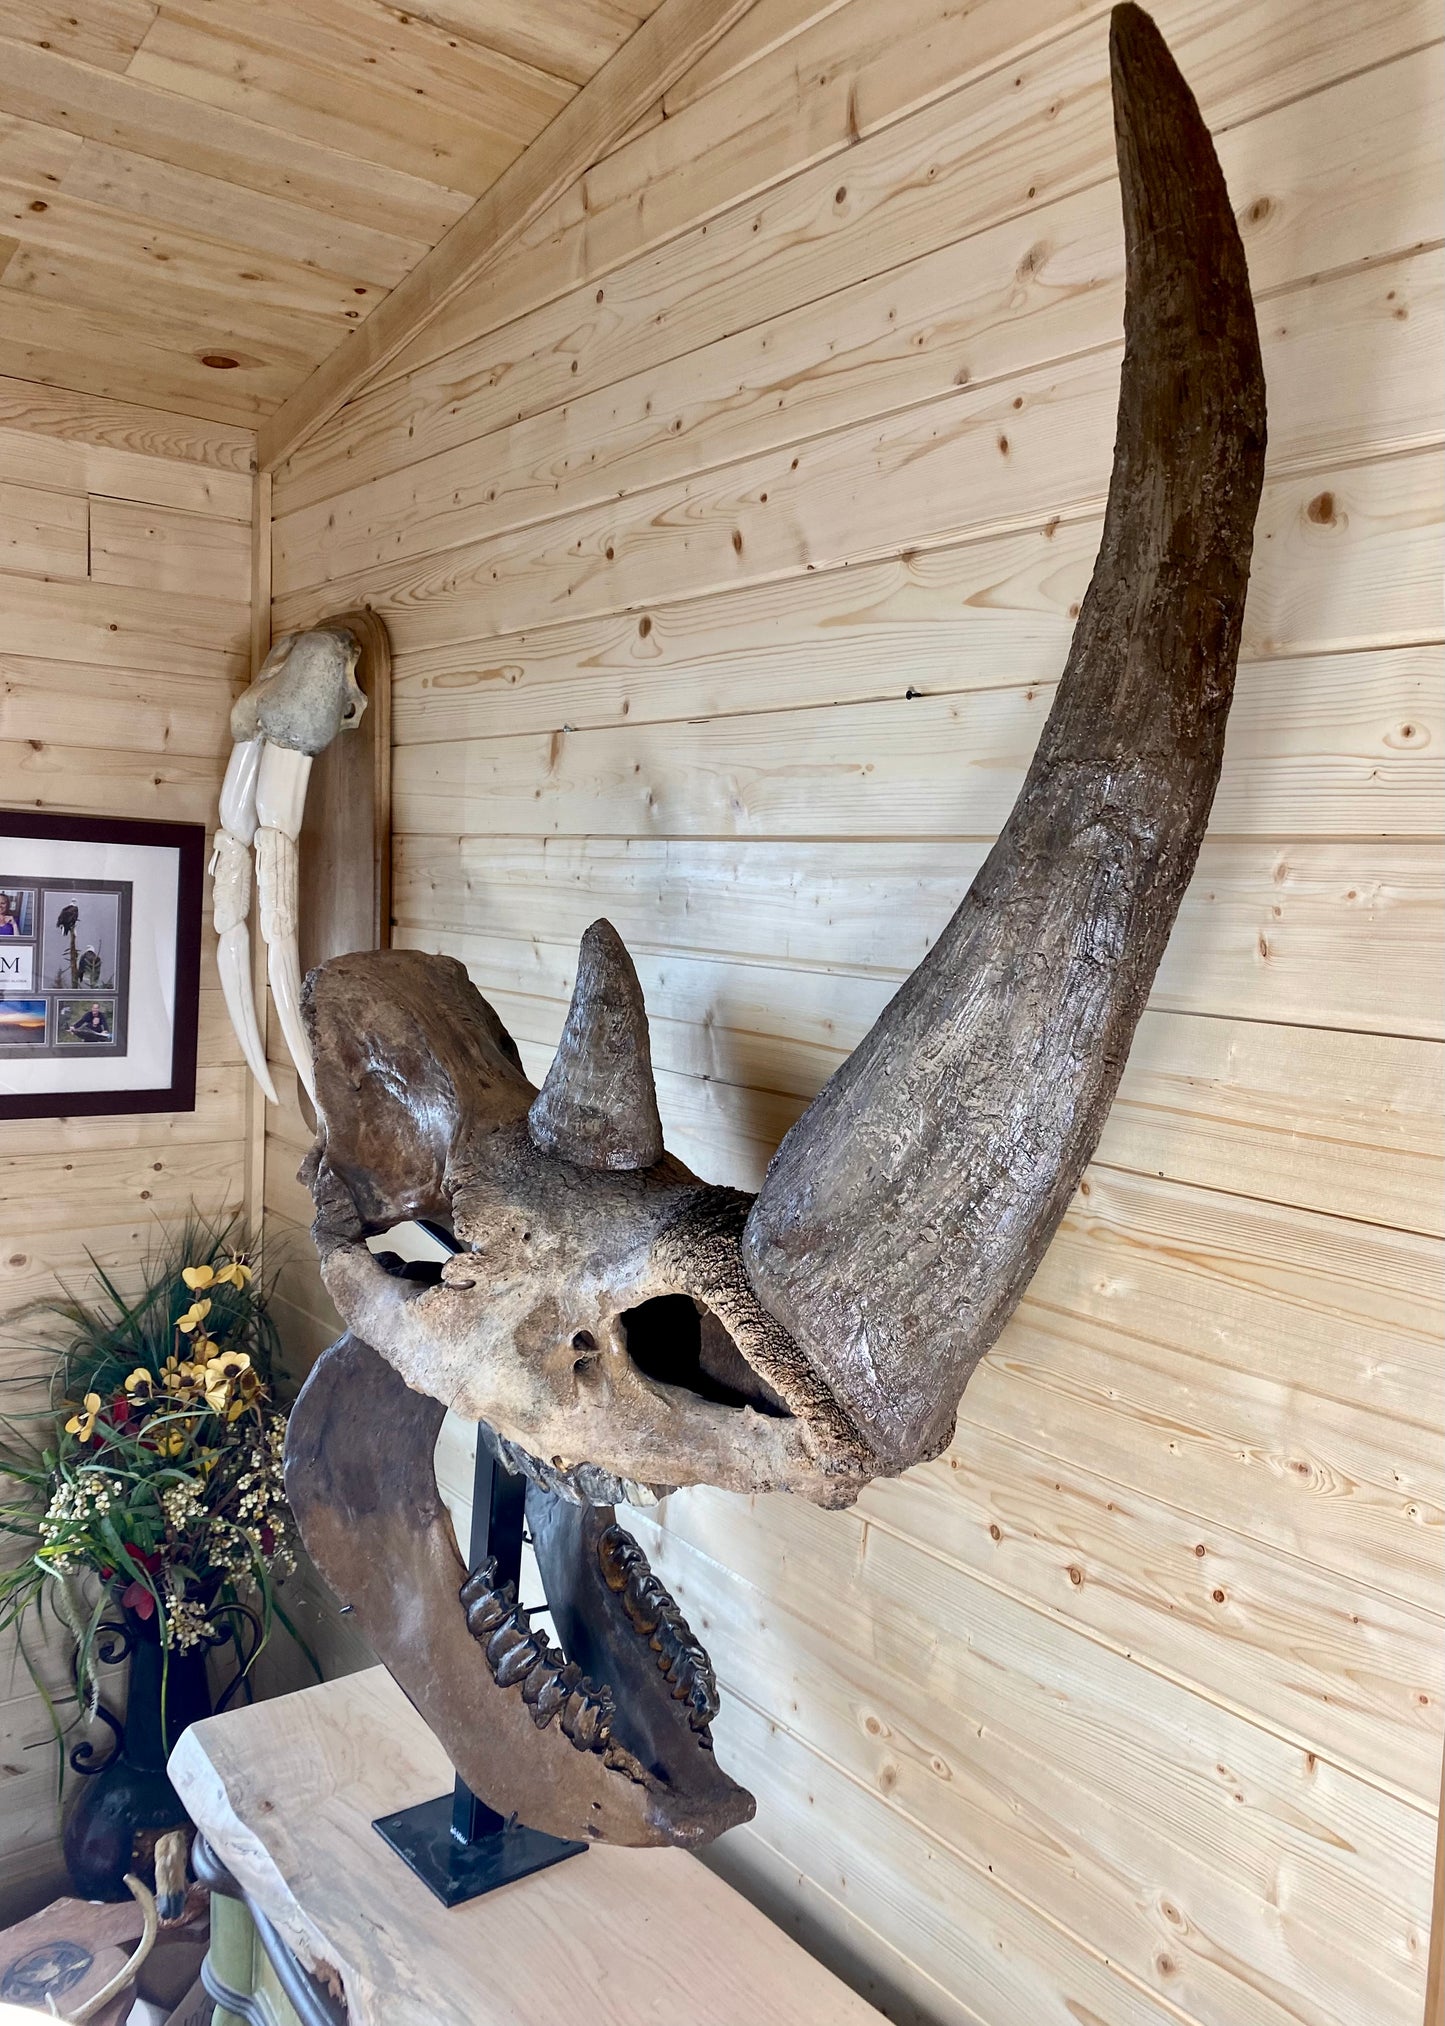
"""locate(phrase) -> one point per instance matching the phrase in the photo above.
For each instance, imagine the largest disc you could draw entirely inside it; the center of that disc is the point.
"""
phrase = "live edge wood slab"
(285, 1793)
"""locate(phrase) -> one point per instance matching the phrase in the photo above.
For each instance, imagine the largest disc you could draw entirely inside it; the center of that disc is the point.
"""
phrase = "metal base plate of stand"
(457, 1870)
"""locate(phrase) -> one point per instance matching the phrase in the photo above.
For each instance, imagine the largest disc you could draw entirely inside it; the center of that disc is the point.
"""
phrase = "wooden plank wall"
(730, 539)
(125, 567)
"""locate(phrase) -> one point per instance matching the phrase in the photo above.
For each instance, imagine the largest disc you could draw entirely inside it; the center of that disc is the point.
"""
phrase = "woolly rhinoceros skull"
(306, 692)
(618, 1326)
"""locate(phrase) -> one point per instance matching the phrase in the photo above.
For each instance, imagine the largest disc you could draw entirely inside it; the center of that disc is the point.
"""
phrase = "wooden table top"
(285, 1793)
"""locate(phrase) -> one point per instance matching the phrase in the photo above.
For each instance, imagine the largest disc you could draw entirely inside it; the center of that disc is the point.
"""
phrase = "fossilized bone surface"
(304, 691)
(598, 1107)
(560, 1325)
(611, 1313)
(524, 1725)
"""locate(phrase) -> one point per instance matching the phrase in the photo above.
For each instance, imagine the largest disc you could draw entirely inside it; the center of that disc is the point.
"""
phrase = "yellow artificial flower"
(172, 1440)
(82, 1422)
(238, 1272)
(179, 1377)
(219, 1372)
(197, 1277)
(246, 1389)
(141, 1386)
(194, 1316)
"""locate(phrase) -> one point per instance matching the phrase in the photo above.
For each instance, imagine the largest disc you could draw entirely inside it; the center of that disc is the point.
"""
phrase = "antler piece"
(598, 1106)
(905, 1213)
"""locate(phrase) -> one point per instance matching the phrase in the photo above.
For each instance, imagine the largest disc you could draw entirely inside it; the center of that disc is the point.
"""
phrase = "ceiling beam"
(647, 65)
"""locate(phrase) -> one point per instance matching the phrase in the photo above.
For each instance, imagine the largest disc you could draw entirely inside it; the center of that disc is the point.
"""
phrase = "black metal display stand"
(456, 1844)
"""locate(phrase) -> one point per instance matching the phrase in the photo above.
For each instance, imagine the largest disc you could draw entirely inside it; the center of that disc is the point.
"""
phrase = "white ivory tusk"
(231, 873)
(238, 790)
(280, 804)
(233, 960)
(231, 896)
(276, 876)
(281, 780)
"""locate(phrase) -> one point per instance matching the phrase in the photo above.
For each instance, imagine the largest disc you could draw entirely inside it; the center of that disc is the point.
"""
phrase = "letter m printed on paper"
(16, 969)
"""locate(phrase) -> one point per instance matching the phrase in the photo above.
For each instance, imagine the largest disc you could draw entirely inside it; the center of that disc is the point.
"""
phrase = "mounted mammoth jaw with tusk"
(306, 693)
(618, 1326)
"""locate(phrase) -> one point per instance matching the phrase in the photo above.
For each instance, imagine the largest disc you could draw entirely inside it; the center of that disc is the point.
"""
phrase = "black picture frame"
(188, 842)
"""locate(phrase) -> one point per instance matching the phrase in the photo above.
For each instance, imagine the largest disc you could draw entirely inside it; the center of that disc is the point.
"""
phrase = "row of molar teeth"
(654, 1616)
(551, 1685)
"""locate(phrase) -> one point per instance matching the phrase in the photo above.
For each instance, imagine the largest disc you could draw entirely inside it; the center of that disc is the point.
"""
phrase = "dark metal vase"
(126, 1801)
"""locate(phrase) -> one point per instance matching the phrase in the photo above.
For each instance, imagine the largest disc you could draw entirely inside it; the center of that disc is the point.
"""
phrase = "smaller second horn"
(598, 1107)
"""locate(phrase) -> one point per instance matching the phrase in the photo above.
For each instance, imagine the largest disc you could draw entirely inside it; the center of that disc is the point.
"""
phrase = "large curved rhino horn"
(906, 1211)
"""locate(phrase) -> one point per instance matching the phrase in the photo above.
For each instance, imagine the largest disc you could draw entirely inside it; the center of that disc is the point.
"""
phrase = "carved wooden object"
(344, 900)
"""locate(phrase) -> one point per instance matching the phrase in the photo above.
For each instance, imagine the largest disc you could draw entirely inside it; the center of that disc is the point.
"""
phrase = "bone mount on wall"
(612, 1321)
(307, 793)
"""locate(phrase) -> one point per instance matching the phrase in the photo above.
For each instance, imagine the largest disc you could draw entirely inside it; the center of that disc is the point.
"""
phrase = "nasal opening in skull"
(679, 1342)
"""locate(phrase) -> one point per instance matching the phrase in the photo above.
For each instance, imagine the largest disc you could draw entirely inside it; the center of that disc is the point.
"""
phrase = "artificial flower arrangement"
(158, 1474)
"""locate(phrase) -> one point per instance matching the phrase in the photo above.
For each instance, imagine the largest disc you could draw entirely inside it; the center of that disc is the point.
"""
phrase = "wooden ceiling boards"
(200, 200)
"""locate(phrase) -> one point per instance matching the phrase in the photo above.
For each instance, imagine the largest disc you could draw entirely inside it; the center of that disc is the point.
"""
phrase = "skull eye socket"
(678, 1342)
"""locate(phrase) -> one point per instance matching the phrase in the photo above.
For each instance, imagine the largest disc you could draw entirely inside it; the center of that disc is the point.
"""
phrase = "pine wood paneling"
(1036, 288)
(1344, 560)
(106, 33)
(1324, 746)
(1352, 363)
(155, 473)
(168, 445)
(937, 1696)
(95, 779)
(429, 105)
(207, 205)
(1310, 932)
(113, 699)
(46, 337)
(570, 38)
(47, 700)
(587, 127)
(259, 174)
(159, 549)
(42, 534)
(120, 627)
(730, 540)
(912, 187)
